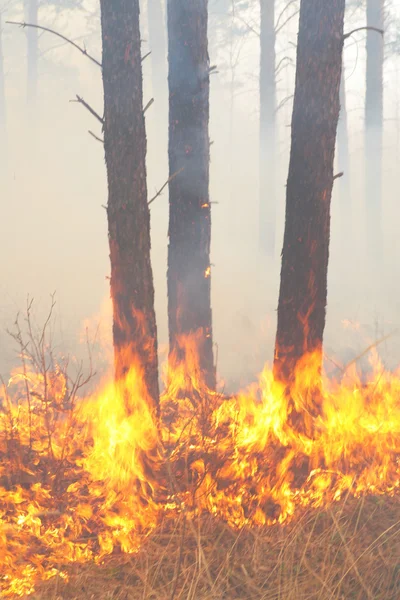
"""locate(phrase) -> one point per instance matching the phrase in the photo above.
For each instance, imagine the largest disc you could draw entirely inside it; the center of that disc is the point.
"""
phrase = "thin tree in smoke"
(374, 132)
(189, 269)
(31, 15)
(132, 291)
(303, 288)
(3, 111)
(344, 165)
(157, 42)
(268, 149)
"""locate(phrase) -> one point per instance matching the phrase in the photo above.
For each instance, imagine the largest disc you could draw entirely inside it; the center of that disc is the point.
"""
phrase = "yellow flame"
(77, 483)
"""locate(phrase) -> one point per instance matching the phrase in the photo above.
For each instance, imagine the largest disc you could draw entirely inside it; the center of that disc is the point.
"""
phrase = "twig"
(146, 55)
(338, 175)
(82, 50)
(160, 191)
(369, 28)
(89, 108)
(150, 102)
(96, 137)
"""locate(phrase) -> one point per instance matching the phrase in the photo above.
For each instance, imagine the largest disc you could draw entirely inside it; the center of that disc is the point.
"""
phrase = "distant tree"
(344, 165)
(303, 289)
(3, 116)
(132, 291)
(158, 47)
(31, 9)
(374, 132)
(189, 270)
(268, 107)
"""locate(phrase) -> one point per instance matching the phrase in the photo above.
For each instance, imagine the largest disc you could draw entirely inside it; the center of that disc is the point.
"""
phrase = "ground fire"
(83, 478)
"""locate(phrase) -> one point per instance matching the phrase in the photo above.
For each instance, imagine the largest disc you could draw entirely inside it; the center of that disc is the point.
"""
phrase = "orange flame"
(79, 482)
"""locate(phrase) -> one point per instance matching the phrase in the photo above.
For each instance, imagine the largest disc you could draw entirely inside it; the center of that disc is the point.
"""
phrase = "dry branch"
(63, 37)
(80, 100)
(150, 102)
(160, 191)
(96, 137)
(347, 35)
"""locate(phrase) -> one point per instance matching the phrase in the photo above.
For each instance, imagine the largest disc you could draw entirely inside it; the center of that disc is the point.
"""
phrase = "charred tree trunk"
(374, 133)
(132, 291)
(268, 150)
(158, 49)
(344, 166)
(303, 289)
(31, 10)
(189, 271)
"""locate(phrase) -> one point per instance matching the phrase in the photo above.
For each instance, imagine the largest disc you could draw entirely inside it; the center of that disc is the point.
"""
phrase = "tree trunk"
(31, 10)
(303, 289)
(374, 133)
(3, 111)
(158, 49)
(267, 127)
(189, 270)
(344, 167)
(132, 291)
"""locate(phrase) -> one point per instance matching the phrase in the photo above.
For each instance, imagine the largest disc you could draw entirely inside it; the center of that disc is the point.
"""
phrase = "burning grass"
(223, 499)
(348, 551)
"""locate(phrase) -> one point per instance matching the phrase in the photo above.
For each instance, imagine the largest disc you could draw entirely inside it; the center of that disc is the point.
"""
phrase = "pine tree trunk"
(374, 133)
(132, 291)
(189, 302)
(303, 289)
(32, 9)
(268, 148)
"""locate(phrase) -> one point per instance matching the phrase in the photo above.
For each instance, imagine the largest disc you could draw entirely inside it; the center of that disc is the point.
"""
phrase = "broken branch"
(150, 102)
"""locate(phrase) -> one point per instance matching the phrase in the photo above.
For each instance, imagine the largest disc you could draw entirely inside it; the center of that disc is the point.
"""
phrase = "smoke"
(53, 189)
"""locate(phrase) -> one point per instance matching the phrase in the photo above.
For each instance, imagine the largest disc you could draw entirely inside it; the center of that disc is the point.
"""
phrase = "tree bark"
(132, 291)
(268, 149)
(303, 289)
(189, 270)
(374, 133)
(31, 11)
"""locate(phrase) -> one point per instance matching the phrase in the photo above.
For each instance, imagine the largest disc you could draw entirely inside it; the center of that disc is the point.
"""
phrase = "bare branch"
(160, 191)
(99, 139)
(89, 108)
(81, 50)
(347, 35)
(146, 55)
(338, 175)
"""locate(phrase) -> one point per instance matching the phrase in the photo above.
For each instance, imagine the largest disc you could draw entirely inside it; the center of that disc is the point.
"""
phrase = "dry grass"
(349, 551)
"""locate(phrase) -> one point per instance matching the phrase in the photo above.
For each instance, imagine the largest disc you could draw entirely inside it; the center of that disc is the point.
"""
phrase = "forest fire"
(85, 477)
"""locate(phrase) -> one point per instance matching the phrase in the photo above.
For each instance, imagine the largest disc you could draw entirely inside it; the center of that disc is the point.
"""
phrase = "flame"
(83, 477)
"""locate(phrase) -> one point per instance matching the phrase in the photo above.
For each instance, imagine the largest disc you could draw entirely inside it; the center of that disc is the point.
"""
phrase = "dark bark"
(268, 149)
(303, 289)
(132, 291)
(31, 10)
(374, 132)
(189, 277)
